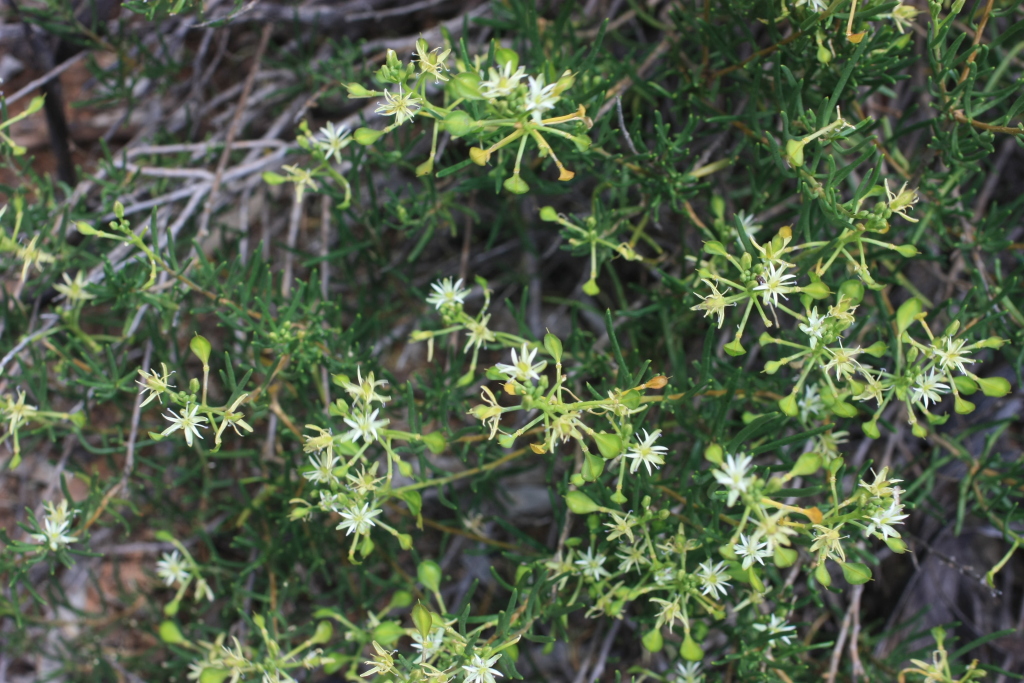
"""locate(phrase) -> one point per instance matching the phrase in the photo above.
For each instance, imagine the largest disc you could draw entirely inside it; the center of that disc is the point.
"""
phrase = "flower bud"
(771, 367)
(565, 82)
(906, 250)
(580, 503)
(357, 91)
(548, 214)
(991, 343)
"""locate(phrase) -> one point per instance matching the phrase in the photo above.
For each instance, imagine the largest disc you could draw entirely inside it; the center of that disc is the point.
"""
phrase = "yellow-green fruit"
(822, 575)
(429, 574)
(580, 503)
(170, 633)
(653, 641)
(713, 453)
(690, 650)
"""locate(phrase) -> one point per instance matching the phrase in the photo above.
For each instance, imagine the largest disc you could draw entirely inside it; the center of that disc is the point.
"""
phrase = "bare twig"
(47, 77)
(204, 221)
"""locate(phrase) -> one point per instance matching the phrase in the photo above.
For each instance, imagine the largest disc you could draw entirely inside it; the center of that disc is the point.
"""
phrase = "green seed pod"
(714, 453)
(871, 429)
(170, 633)
(965, 385)
(465, 86)
(516, 185)
(735, 348)
(459, 123)
(852, 290)
(807, 463)
(996, 387)
(795, 152)
(201, 347)
(435, 442)
(784, 557)
(323, 633)
(690, 650)
(715, 247)
(553, 345)
(822, 575)
(962, 406)
(771, 367)
(856, 573)
(877, 350)
(653, 640)
(421, 619)
(755, 580)
(429, 574)
(906, 314)
(548, 214)
(897, 545)
(505, 57)
(788, 406)
(366, 136)
(590, 288)
(388, 632)
(816, 290)
(211, 675)
(580, 503)
(609, 445)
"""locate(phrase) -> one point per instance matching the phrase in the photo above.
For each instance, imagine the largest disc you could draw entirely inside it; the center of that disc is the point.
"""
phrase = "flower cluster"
(193, 413)
(481, 100)
(56, 524)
